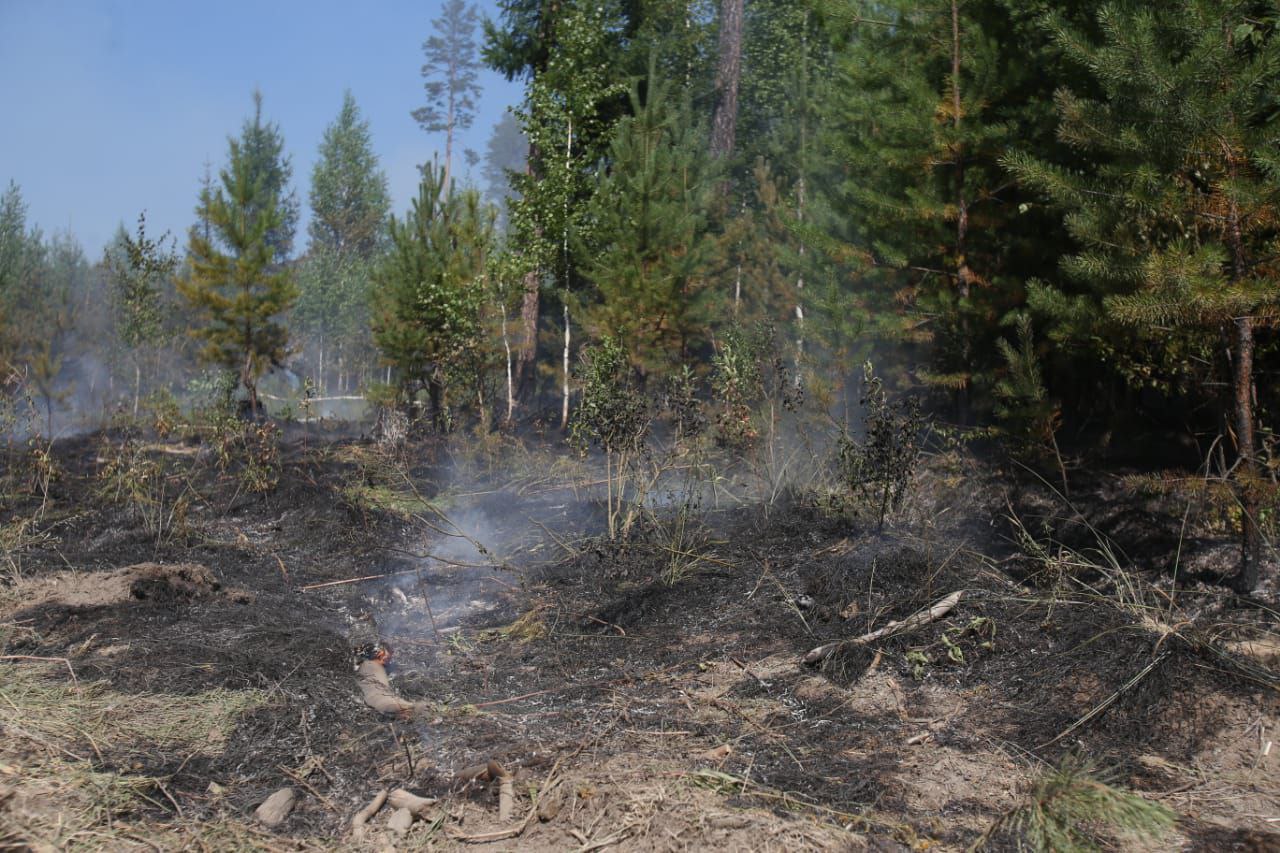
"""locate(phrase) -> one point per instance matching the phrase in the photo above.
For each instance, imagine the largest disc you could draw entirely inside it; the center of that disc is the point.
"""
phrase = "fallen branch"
(915, 620)
(1106, 703)
(361, 818)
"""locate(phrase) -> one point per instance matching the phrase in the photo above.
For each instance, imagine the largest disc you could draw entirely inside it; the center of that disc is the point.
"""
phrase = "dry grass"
(67, 756)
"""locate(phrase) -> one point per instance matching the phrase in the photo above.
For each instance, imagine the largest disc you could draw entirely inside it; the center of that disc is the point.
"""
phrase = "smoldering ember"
(740, 425)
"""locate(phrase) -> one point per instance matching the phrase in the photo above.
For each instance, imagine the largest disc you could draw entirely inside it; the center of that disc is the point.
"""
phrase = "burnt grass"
(598, 660)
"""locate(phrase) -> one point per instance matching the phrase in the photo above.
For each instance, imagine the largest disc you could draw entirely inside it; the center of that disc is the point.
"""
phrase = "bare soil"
(647, 693)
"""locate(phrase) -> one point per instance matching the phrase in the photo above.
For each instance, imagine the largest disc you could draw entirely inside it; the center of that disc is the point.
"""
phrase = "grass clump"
(1072, 808)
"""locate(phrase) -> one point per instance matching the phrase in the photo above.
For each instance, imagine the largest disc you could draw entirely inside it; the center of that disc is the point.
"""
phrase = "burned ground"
(647, 693)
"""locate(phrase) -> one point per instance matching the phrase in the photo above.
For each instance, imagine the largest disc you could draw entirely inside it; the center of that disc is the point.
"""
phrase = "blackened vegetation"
(594, 642)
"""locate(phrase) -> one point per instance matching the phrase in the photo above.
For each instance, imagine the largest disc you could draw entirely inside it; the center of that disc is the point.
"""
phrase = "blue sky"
(114, 107)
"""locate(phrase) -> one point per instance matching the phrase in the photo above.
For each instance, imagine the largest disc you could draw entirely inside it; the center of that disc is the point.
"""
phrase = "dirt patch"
(177, 583)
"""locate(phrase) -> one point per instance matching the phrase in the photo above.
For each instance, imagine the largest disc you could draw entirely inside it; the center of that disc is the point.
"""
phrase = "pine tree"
(1177, 219)
(262, 146)
(233, 282)
(650, 251)
(928, 95)
(350, 208)
(430, 289)
(451, 74)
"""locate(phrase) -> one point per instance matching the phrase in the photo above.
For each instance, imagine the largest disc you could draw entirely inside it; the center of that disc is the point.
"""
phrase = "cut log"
(415, 805)
(358, 823)
(377, 691)
(915, 620)
(276, 808)
(400, 821)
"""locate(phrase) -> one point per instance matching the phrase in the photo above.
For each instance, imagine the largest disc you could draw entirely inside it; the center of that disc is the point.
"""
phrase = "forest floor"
(174, 648)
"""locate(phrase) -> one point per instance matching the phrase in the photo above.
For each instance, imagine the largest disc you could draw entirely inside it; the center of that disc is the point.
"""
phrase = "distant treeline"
(1056, 220)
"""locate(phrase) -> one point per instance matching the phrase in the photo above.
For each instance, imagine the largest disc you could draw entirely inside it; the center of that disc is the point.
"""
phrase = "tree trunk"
(1246, 472)
(511, 388)
(564, 408)
(137, 384)
(435, 391)
(528, 346)
(724, 121)
(964, 276)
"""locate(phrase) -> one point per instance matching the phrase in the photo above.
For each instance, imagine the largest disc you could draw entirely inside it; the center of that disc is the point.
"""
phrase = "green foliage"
(1022, 401)
(233, 283)
(350, 202)
(1176, 218)
(141, 271)
(615, 417)
(880, 467)
(612, 414)
(430, 288)
(648, 226)
(1071, 808)
(262, 148)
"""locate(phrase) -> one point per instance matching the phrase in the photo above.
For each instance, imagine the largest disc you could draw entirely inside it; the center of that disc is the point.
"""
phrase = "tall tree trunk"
(964, 276)
(1242, 405)
(802, 168)
(724, 121)
(528, 346)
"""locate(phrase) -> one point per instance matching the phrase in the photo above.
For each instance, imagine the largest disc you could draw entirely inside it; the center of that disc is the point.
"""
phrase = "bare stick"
(74, 681)
(1106, 703)
(915, 620)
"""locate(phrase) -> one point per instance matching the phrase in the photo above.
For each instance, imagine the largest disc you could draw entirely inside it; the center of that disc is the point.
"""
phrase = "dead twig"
(328, 803)
(916, 620)
(1108, 702)
(65, 661)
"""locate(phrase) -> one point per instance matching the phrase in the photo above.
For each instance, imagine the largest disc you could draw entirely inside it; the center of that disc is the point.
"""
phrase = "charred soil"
(160, 682)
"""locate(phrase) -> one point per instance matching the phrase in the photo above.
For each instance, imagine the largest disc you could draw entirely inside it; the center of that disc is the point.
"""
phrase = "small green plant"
(1073, 808)
(879, 468)
(157, 497)
(613, 416)
(919, 662)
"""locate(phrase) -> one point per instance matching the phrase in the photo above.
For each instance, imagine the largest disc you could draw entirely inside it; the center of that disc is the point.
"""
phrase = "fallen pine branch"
(912, 622)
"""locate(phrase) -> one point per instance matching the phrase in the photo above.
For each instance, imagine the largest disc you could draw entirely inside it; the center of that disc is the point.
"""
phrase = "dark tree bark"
(724, 121)
(1246, 472)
